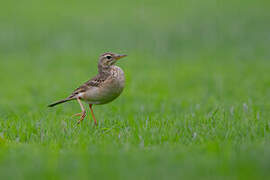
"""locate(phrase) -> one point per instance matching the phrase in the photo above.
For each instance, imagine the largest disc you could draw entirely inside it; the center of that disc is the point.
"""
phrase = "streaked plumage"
(107, 85)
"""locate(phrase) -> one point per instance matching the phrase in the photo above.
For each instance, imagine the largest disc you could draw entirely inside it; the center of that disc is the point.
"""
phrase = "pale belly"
(109, 90)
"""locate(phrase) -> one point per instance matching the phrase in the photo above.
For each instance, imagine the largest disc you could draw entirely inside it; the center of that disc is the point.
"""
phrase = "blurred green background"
(196, 103)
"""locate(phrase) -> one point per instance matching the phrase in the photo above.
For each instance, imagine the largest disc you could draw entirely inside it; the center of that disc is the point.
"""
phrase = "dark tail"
(60, 102)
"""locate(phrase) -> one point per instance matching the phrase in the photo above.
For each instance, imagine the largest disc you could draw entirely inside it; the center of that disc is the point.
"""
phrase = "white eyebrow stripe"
(107, 53)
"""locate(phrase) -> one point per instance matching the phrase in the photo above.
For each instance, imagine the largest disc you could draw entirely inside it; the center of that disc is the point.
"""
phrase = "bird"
(106, 86)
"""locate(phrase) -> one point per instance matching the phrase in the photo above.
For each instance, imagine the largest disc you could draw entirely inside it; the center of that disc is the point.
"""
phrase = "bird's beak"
(119, 56)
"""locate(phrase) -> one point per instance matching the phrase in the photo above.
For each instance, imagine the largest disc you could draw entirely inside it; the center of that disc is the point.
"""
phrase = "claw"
(82, 118)
(75, 115)
(82, 114)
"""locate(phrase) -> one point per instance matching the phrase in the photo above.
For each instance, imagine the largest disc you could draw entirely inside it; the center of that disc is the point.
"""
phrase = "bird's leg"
(82, 114)
(92, 112)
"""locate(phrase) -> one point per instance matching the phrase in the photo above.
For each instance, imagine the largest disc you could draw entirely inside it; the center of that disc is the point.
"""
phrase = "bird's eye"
(108, 57)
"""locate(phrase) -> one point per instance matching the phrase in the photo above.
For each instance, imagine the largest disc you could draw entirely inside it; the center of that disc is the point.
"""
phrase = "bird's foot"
(82, 114)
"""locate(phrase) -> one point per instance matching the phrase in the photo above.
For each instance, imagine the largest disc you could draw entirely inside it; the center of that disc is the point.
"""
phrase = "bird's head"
(108, 59)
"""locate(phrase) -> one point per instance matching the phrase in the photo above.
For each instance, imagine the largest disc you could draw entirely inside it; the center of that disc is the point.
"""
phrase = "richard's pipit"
(103, 88)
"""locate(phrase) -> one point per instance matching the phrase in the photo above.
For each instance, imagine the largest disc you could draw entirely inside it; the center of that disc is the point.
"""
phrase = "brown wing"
(94, 82)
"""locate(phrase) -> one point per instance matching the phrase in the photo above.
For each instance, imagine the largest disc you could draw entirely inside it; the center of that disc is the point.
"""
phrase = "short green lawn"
(196, 103)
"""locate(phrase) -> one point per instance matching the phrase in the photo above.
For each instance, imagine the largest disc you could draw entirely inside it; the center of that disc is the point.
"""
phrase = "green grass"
(196, 103)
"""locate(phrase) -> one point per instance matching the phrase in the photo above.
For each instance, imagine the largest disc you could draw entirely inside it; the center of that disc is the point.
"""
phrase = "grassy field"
(196, 103)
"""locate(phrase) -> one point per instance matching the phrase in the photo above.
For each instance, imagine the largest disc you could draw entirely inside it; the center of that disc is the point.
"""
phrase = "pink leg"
(92, 112)
(82, 114)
